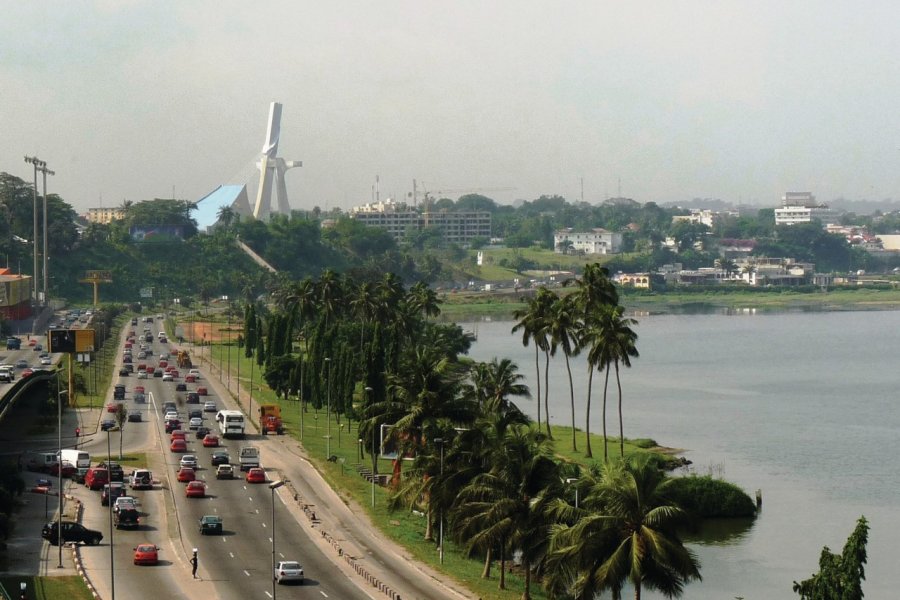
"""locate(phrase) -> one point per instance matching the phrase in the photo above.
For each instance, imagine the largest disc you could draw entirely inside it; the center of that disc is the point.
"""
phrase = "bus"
(231, 423)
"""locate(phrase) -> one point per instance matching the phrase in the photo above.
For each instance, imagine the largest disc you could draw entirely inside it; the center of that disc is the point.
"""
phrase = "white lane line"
(264, 526)
(257, 511)
(247, 573)
(231, 554)
(281, 555)
(268, 594)
(323, 593)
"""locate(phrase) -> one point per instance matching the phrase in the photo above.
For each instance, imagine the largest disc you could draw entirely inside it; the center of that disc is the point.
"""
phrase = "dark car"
(202, 432)
(172, 425)
(117, 473)
(78, 475)
(71, 532)
(128, 367)
(210, 524)
(119, 392)
(134, 417)
(127, 518)
(220, 457)
(169, 405)
(123, 372)
(193, 398)
(113, 490)
(180, 387)
(195, 413)
(107, 424)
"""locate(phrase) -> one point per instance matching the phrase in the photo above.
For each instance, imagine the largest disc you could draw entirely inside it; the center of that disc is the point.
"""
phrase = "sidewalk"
(341, 527)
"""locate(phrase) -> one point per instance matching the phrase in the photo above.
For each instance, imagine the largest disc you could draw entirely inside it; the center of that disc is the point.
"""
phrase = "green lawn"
(47, 588)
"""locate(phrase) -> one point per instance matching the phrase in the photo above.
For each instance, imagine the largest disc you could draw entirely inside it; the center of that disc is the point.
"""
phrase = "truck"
(79, 458)
(270, 419)
(249, 458)
(13, 343)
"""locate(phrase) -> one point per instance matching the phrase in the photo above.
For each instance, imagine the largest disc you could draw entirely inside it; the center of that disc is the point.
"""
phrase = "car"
(195, 373)
(186, 474)
(124, 502)
(169, 406)
(117, 473)
(211, 441)
(167, 377)
(38, 348)
(7, 373)
(126, 359)
(140, 398)
(123, 372)
(27, 372)
(210, 407)
(256, 475)
(195, 413)
(32, 341)
(146, 554)
(195, 489)
(142, 374)
(111, 491)
(157, 373)
(142, 354)
(195, 423)
(193, 398)
(202, 432)
(164, 364)
(134, 320)
(172, 425)
(178, 446)
(180, 387)
(190, 378)
(210, 524)
(108, 425)
(189, 460)
(170, 415)
(134, 417)
(288, 570)
(224, 472)
(128, 367)
(139, 389)
(202, 391)
(71, 532)
(112, 407)
(174, 372)
(21, 363)
(142, 479)
(127, 518)
(219, 457)
(177, 434)
(68, 469)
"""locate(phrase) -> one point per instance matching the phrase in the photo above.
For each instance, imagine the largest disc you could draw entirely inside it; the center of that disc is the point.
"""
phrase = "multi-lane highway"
(237, 564)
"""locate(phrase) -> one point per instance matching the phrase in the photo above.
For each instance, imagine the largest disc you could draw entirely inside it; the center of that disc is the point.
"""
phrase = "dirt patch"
(204, 331)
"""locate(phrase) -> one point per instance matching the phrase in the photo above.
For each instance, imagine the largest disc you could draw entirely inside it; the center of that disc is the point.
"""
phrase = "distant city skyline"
(651, 100)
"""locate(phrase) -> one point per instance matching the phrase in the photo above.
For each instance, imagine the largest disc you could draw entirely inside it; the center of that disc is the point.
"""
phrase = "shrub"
(707, 497)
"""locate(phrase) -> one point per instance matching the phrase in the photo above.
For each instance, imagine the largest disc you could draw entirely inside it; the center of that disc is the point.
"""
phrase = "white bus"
(231, 423)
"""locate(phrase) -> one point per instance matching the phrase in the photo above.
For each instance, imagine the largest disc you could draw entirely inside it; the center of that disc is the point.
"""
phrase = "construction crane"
(428, 195)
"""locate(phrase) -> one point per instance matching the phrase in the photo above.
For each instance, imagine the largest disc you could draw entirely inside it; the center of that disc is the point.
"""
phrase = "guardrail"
(21, 386)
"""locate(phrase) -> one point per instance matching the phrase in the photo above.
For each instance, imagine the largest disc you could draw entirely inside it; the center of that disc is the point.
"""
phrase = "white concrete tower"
(271, 171)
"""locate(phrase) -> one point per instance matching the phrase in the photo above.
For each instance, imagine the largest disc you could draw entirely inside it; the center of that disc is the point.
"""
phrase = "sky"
(657, 101)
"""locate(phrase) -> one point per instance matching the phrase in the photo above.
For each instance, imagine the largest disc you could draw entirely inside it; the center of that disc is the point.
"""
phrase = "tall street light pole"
(46, 172)
(274, 486)
(112, 571)
(328, 413)
(59, 395)
(440, 442)
(38, 163)
(374, 456)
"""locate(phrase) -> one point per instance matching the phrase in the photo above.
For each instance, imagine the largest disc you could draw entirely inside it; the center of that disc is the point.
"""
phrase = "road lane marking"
(281, 555)
(247, 573)
(231, 554)
(323, 593)
(268, 594)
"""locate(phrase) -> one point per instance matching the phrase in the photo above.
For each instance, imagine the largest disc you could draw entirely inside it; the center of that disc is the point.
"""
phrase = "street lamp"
(59, 395)
(374, 456)
(328, 413)
(570, 481)
(112, 571)
(45, 172)
(440, 442)
(37, 163)
(274, 486)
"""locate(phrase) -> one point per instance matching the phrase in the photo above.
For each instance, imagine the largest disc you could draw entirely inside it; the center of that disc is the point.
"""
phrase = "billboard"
(156, 233)
(71, 340)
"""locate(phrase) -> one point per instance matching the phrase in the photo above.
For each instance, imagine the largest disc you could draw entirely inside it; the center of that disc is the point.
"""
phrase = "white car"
(171, 415)
(142, 374)
(124, 502)
(189, 460)
(195, 373)
(210, 407)
(45, 360)
(167, 377)
(195, 423)
(288, 570)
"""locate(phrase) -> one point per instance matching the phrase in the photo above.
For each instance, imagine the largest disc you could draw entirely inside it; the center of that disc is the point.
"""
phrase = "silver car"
(288, 570)
(189, 460)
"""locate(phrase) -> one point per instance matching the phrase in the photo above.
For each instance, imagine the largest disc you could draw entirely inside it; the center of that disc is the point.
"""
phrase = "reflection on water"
(720, 532)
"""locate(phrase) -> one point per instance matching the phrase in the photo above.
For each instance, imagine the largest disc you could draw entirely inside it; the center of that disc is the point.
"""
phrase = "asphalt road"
(238, 564)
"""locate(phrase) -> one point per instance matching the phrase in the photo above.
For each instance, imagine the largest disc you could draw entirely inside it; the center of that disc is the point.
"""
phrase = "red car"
(112, 407)
(174, 372)
(195, 489)
(186, 474)
(178, 434)
(202, 391)
(172, 425)
(190, 378)
(178, 446)
(163, 364)
(211, 441)
(68, 469)
(146, 554)
(139, 389)
(26, 373)
(256, 475)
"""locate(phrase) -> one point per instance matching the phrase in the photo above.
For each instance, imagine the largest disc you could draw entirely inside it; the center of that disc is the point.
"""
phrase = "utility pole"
(46, 172)
(37, 163)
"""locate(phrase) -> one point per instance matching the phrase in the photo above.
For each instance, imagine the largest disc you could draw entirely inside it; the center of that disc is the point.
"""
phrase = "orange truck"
(270, 419)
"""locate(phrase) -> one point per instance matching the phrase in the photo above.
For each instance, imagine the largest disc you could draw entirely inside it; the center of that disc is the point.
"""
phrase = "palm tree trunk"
(502, 585)
(547, 392)
(537, 367)
(587, 414)
(488, 561)
(605, 446)
(637, 590)
(526, 595)
(429, 528)
(572, 402)
(621, 430)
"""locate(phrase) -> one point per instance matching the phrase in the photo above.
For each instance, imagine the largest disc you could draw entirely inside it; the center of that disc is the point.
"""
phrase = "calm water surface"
(799, 405)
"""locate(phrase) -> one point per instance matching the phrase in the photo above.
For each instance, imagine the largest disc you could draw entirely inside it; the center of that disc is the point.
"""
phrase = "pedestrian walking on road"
(194, 564)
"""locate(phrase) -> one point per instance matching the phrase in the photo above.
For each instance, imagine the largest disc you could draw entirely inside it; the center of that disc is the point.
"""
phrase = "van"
(96, 478)
(41, 462)
(79, 458)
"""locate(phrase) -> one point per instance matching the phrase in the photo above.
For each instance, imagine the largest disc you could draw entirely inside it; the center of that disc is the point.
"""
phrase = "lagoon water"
(803, 406)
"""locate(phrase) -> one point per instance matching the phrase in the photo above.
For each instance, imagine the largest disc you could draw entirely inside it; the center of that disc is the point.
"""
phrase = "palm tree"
(492, 385)
(563, 326)
(530, 322)
(621, 340)
(496, 509)
(424, 300)
(627, 531)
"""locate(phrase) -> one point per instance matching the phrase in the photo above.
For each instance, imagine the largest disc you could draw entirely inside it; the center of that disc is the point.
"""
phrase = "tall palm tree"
(424, 300)
(621, 341)
(627, 531)
(564, 326)
(530, 322)
(492, 385)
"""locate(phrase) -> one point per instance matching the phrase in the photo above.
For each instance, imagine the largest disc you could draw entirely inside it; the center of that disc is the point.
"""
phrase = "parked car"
(256, 475)
(195, 489)
(71, 532)
(146, 554)
(224, 472)
(210, 525)
(288, 570)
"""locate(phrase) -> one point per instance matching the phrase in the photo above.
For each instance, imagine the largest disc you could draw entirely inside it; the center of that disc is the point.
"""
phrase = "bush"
(706, 497)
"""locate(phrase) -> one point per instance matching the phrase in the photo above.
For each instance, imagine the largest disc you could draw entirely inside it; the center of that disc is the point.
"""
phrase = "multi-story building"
(457, 227)
(105, 215)
(595, 241)
(801, 207)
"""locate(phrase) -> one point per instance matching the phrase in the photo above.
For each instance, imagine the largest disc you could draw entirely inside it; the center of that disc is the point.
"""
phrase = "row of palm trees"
(588, 320)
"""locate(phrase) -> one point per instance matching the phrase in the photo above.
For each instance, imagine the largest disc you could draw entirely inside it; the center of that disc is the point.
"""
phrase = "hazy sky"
(731, 100)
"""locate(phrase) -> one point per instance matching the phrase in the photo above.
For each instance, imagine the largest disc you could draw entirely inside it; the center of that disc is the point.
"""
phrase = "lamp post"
(45, 172)
(112, 571)
(328, 413)
(274, 486)
(300, 398)
(37, 163)
(570, 481)
(228, 317)
(440, 442)
(374, 456)
(59, 395)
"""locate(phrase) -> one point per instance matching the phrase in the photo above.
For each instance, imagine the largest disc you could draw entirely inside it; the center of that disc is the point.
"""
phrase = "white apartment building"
(596, 241)
(791, 215)
(105, 215)
(457, 227)
(701, 217)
